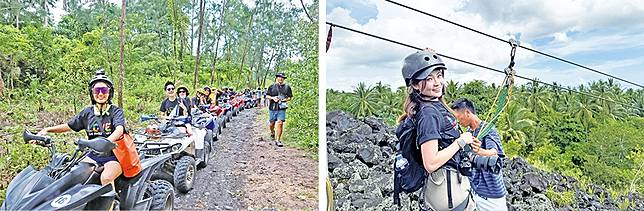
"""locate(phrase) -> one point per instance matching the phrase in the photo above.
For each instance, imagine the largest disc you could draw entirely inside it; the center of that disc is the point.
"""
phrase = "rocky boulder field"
(360, 162)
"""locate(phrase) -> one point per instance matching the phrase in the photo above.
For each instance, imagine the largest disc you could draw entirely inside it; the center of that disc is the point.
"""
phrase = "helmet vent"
(427, 58)
(435, 57)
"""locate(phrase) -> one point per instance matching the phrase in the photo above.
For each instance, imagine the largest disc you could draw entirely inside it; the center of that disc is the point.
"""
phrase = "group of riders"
(103, 119)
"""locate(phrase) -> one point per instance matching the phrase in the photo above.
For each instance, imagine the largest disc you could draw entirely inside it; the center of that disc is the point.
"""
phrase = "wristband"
(460, 142)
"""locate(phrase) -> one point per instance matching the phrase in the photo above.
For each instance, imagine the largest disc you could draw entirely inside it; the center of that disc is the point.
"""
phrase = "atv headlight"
(139, 137)
(176, 147)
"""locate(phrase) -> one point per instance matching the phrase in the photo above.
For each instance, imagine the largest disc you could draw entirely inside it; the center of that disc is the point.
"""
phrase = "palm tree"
(514, 124)
(364, 101)
(452, 91)
(538, 98)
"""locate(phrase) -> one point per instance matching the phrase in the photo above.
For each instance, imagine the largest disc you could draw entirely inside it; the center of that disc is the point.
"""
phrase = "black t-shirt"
(281, 91)
(167, 106)
(435, 122)
(96, 124)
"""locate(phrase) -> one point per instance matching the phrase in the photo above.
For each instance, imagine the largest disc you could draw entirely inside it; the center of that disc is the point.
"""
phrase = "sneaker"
(273, 136)
(279, 143)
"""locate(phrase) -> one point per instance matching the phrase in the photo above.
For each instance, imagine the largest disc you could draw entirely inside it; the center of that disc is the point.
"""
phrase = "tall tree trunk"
(1, 84)
(18, 14)
(218, 34)
(174, 38)
(202, 5)
(122, 66)
(250, 27)
(44, 7)
(192, 25)
(270, 61)
(258, 67)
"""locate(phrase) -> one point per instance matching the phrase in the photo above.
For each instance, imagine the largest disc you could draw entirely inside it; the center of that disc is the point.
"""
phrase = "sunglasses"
(182, 91)
(169, 89)
(103, 90)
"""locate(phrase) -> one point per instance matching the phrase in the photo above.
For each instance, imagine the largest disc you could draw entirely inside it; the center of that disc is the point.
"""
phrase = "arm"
(289, 94)
(118, 132)
(55, 129)
(476, 147)
(433, 158)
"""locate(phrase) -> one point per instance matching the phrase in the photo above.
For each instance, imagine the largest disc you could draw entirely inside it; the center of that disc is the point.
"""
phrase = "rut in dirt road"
(247, 172)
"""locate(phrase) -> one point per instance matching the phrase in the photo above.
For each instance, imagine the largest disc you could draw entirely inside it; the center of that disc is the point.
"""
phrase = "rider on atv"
(173, 106)
(101, 119)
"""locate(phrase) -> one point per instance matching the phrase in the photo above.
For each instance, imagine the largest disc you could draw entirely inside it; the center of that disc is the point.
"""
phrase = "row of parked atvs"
(169, 160)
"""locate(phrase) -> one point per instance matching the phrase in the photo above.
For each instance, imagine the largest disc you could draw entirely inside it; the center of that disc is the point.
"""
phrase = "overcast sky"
(605, 35)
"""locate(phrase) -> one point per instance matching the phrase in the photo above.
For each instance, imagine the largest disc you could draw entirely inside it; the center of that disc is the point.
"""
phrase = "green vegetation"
(561, 199)
(592, 140)
(45, 66)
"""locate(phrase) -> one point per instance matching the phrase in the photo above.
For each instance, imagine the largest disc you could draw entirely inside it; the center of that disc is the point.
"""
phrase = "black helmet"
(420, 64)
(100, 76)
(281, 75)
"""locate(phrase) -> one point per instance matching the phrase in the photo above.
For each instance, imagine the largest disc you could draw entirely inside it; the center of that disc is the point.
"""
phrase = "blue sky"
(607, 36)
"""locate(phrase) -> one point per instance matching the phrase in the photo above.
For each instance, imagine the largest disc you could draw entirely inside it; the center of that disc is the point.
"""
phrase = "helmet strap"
(416, 94)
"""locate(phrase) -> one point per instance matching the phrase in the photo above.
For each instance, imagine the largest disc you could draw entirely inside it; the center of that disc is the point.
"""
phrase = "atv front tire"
(184, 173)
(162, 194)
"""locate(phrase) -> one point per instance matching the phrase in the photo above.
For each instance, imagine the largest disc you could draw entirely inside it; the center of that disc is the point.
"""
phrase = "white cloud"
(353, 58)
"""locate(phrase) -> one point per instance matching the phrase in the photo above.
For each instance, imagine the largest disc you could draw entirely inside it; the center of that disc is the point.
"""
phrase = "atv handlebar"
(41, 140)
(154, 117)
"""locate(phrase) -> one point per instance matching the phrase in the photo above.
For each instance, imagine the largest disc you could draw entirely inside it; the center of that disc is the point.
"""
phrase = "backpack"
(409, 174)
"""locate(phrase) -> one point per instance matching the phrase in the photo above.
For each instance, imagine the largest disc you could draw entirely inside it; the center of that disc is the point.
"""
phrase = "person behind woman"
(172, 103)
(102, 119)
(438, 135)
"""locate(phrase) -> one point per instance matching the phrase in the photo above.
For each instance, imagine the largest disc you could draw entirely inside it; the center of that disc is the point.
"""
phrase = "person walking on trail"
(258, 95)
(279, 94)
(174, 107)
(101, 119)
(430, 138)
(489, 189)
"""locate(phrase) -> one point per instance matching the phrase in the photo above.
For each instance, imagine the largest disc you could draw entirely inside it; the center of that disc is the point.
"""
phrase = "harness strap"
(449, 190)
(502, 98)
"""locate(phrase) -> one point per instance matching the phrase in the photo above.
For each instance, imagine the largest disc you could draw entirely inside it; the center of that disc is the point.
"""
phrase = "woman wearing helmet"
(438, 135)
(102, 119)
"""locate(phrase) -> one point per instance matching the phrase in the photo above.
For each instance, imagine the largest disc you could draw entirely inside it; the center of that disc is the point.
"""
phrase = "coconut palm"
(364, 100)
(538, 98)
(514, 123)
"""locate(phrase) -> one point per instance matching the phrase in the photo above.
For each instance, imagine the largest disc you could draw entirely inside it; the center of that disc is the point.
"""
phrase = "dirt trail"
(249, 172)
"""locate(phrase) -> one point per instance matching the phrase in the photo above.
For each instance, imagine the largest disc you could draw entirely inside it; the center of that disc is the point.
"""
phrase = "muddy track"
(246, 171)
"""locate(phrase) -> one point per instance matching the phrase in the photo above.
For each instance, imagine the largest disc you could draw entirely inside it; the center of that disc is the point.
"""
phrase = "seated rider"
(174, 107)
(101, 119)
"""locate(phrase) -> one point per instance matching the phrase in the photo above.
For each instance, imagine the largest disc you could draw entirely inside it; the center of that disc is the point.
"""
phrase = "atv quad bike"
(165, 138)
(236, 103)
(218, 113)
(202, 125)
(228, 108)
(66, 183)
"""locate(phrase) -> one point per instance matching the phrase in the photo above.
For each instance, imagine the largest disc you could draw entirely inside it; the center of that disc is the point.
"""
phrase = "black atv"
(66, 183)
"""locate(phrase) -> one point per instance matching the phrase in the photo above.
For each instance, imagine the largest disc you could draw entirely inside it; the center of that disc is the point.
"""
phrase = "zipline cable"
(520, 46)
(481, 66)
